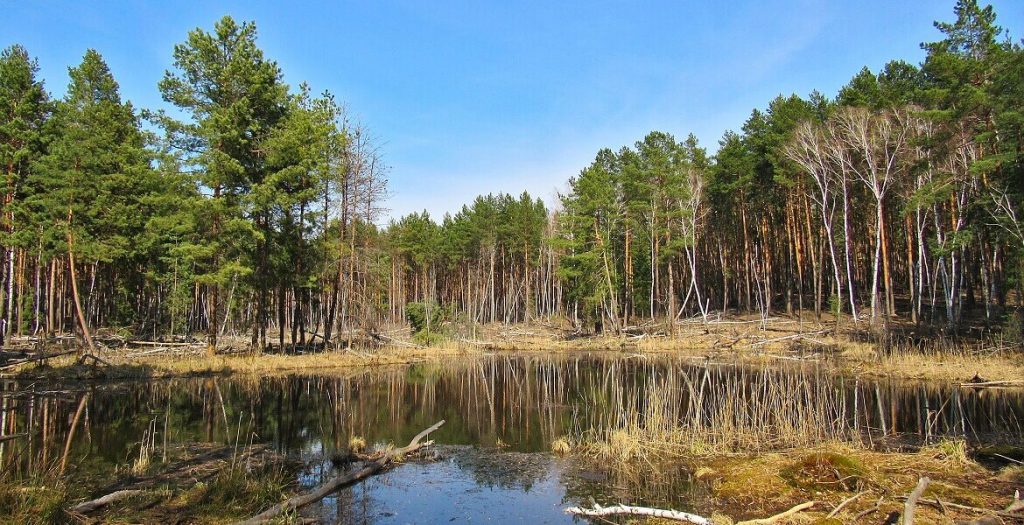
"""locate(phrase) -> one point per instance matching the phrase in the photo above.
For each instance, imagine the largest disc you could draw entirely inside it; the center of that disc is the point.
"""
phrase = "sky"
(475, 97)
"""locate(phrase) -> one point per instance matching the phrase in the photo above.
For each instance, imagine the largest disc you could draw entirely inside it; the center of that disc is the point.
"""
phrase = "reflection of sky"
(450, 491)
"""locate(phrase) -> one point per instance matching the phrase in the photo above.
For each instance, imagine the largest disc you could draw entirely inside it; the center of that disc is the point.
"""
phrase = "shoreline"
(734, 342)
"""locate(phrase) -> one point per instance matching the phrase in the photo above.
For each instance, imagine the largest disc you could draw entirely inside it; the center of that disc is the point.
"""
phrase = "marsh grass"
(681, 412)
(33, 502)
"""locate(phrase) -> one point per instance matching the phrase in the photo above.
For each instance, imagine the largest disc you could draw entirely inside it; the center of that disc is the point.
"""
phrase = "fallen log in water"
(380, 463)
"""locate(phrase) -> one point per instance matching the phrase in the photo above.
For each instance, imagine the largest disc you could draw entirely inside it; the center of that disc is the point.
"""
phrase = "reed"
(681, 411)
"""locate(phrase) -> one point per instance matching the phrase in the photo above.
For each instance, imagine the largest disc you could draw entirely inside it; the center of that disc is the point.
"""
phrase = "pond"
(502, 413)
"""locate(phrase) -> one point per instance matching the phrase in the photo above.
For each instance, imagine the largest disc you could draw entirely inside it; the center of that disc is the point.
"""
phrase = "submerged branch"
(324, 490)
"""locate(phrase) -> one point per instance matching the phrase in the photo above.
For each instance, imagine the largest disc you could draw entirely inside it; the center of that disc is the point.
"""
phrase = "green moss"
(824, 471)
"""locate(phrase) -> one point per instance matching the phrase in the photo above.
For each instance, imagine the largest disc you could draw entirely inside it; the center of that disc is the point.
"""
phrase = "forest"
(255, 209)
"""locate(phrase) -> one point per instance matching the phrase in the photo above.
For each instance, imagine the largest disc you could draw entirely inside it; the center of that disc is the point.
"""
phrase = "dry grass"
(744, 339)
(128, 367)
(938, 361)
(739, 340)
(356, 444)
(717, 411)
(834, 473)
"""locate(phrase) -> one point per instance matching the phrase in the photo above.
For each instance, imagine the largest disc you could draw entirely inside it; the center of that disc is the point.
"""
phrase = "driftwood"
(383, 461)
(91, 505)
(685, 517)
(599, 511)
(911, 504)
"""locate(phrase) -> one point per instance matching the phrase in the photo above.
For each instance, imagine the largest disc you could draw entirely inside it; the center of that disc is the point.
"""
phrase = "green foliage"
(1013, 327)
(21, 135)
(427, 319)
(95, 175)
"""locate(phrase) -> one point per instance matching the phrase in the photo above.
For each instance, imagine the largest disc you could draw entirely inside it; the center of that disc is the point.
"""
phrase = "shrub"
(427, 319)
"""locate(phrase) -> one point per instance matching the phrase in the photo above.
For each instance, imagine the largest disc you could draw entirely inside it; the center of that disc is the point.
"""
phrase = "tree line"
(901, 196)
(253, 209)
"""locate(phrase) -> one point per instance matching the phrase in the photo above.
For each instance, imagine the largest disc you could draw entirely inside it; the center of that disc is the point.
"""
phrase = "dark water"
(502, 413)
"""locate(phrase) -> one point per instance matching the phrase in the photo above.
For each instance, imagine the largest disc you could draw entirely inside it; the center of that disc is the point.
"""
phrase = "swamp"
(525, 436)
(565, 277)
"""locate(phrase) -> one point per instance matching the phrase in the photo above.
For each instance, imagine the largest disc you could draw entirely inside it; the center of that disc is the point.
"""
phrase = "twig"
(872, 510)
(774, 519)
(845, 502)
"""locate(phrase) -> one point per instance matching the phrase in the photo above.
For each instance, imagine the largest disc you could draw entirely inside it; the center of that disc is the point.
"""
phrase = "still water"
(502, 413)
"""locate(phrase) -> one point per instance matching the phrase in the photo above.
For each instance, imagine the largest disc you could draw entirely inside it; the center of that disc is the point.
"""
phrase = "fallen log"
(791, 336)
(675, 515)
(911, 504)
(38, 357)
(91, 505)
(161, 343)
(618, 510)
(96, 360)
(384, 460)
(992, 384)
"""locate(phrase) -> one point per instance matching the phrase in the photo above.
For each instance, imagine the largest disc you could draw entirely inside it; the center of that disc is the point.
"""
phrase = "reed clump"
(680, 413)
(561, 446)
(356, 444)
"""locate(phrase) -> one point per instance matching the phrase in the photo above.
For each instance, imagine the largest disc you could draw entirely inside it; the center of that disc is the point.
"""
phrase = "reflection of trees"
(523, 402)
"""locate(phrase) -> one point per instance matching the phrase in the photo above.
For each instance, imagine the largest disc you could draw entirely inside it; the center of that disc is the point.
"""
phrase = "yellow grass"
(739, 340)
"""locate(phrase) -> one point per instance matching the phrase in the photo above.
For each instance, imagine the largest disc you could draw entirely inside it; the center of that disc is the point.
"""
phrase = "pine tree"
(87, 189)
(25, 109)
(235, 98)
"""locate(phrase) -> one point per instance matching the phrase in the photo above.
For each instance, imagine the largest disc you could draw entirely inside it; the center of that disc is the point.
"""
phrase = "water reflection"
(515, 404)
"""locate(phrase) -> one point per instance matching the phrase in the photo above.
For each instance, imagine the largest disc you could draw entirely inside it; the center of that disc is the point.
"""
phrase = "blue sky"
(476, 97)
